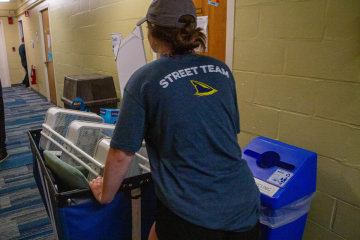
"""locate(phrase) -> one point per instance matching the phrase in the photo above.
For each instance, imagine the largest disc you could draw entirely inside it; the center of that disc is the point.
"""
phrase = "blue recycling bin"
(286, 177)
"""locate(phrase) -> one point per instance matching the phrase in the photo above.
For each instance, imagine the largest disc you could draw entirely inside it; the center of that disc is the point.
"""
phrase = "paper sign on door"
(202, 22)
(49, 42)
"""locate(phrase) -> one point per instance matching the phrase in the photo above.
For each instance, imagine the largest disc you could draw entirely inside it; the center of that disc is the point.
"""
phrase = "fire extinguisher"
(33, 75)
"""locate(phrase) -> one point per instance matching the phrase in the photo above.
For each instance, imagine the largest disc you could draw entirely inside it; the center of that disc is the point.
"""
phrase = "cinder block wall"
(81, 36)
(12, 39)
(297, 70)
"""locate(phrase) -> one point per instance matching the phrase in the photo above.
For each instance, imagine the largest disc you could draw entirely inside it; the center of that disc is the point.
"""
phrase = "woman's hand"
(116, 167)
(96, 187)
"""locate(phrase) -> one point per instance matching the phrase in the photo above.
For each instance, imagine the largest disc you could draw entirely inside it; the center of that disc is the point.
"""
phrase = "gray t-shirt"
(186, 110)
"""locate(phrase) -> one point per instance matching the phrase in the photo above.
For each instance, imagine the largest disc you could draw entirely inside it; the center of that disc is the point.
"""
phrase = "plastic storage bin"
(96, 90)
(85, 135)
(286, 177)
(59, 119)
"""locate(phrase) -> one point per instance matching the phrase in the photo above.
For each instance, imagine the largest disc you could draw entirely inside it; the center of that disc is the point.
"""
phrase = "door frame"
(230, 26)
(42, 8)
(7, 82)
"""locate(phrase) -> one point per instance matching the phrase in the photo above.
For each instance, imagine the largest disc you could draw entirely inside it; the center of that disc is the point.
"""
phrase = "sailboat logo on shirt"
(202, 89)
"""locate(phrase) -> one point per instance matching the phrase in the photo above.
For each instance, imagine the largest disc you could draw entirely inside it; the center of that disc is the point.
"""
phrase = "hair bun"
(181, 40)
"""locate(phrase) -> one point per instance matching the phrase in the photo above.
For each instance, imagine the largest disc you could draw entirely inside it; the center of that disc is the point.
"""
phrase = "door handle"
(46, 62)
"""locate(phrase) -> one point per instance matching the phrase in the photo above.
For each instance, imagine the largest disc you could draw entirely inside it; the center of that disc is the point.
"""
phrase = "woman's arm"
(116, 167)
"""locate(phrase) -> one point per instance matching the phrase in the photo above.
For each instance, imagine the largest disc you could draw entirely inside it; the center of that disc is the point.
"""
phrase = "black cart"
(77, 214)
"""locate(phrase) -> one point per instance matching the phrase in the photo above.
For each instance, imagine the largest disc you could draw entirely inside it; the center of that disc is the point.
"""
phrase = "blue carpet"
(22, 212)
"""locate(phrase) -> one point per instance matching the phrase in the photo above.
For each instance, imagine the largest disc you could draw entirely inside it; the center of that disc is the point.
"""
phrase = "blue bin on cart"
(109, 115)
(286, 177)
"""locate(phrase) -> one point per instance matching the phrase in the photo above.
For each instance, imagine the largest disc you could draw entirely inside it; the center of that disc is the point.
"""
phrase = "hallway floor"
(22, 212)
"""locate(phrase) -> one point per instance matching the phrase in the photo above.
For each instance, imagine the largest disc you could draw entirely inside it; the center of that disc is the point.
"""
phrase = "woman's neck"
(163, 48)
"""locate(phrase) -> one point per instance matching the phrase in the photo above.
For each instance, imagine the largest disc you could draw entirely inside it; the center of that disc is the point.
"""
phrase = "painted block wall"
(81, 36)
(6, 8)
(297, 71)
(11, 34)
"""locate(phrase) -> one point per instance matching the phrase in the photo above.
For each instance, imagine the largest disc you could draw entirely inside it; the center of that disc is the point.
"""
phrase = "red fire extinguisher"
(33, 75)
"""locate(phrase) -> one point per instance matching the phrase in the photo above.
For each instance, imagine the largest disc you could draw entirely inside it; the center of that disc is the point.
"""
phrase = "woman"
(184, 105)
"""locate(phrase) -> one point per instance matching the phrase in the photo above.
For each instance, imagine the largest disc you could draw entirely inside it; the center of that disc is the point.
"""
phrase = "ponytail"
(181, 40)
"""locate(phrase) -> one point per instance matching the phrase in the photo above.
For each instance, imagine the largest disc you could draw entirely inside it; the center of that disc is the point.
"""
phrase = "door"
(48, 52)
(4, 69)
(216, 26)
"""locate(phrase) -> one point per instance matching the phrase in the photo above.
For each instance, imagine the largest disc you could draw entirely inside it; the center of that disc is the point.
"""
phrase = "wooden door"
(216, 26)
(48, 52)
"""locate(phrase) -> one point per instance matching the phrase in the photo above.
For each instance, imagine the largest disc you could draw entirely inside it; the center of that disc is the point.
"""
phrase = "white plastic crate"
(59, 119)
(84, 135)
(139, 165)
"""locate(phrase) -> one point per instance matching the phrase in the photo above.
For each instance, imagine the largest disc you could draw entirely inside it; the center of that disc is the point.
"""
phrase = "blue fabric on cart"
(92, 220)
(37, 178)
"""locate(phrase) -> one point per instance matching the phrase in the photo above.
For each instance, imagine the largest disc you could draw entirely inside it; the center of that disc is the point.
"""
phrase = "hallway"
(22, 212)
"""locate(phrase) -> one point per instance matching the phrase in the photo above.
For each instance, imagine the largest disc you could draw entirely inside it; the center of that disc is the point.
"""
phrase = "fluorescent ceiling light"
(4, 0)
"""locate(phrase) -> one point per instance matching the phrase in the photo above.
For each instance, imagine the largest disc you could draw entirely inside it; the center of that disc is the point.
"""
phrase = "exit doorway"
(21, 36)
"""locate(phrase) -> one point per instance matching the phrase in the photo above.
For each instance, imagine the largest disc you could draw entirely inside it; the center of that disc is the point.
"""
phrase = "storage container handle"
(82, 104)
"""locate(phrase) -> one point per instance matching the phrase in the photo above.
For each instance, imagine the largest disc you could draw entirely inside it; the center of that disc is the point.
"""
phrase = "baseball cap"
(166, 13)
